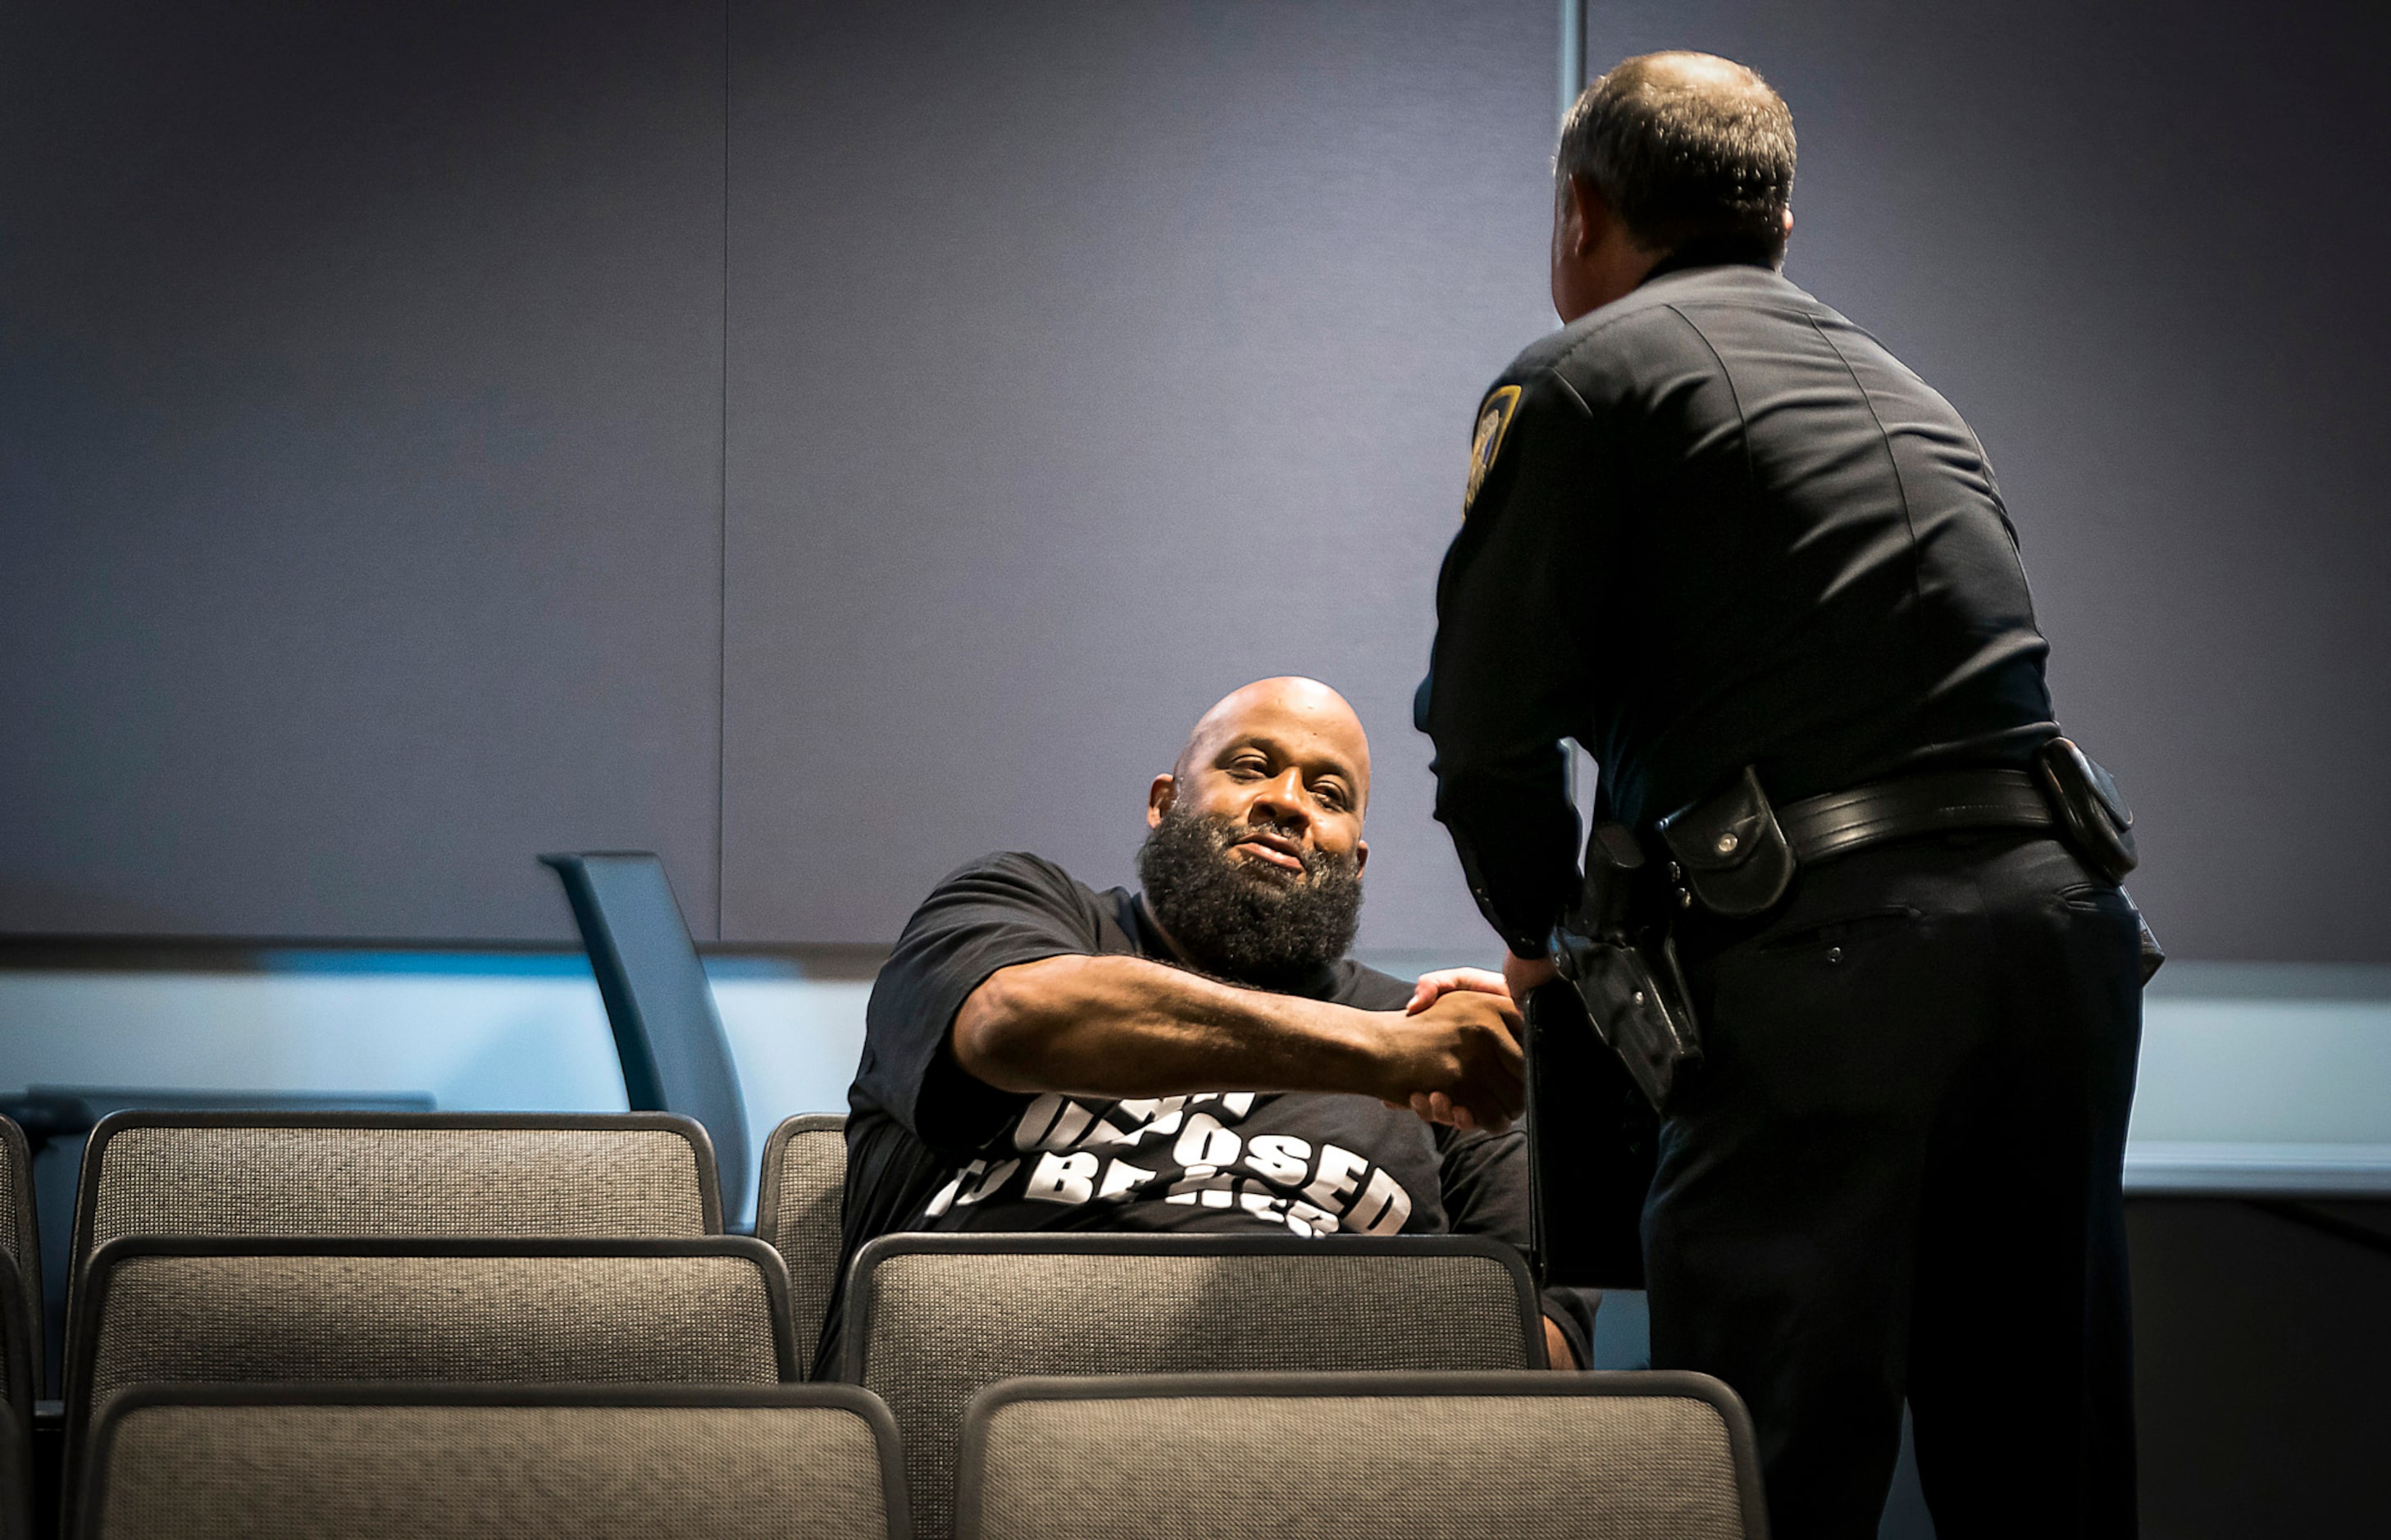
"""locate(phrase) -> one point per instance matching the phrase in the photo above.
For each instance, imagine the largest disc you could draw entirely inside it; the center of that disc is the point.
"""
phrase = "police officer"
(1720, 537)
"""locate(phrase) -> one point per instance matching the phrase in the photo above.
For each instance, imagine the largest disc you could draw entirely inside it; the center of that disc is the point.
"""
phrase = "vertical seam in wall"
(722, 549)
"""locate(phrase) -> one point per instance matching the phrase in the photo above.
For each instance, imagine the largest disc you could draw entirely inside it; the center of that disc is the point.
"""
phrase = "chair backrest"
(712, 1311)
(798, 1211)
(931, 1319)
(492, 1463)
(20, 1254)
(667, 1033)
(396, 1173)
(20, 1275)
(21, 1349)
(1376, 1457)
(15, 1476)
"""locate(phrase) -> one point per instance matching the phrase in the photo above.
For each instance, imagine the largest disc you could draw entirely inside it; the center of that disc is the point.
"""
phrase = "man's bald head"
(1302, 712)
(1687, 148)
(1253, 861)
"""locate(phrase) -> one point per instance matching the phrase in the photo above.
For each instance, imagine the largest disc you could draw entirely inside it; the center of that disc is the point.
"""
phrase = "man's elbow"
(1000, 1035)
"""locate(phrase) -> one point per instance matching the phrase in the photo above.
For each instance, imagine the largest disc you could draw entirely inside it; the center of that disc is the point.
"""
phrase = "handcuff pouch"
(1730, 851)
(2097, 826)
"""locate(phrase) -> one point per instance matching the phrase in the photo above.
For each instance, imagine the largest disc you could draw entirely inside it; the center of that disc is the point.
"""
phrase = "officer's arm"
(1118, 1026)
(1505, 680)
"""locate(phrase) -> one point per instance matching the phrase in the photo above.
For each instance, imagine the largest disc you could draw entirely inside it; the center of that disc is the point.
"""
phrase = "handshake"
(1454, 1052)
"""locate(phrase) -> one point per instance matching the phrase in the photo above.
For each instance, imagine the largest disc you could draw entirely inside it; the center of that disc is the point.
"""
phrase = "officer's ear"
(1159, 798)
(1588, 217)
(1360, 854)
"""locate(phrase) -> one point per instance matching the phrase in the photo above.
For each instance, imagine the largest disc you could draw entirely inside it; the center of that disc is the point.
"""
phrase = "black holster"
(1605, 1049)
(1615, 949)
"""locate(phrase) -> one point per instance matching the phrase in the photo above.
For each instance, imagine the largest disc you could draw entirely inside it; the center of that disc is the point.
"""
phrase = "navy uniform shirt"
(1710, 525)
(931, 1147)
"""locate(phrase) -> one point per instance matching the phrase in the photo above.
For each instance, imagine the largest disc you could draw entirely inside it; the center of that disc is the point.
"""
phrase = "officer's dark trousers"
(1897, 1174)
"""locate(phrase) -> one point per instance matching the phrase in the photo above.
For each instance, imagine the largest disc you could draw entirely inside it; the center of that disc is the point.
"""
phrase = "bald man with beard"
(1200, 1055)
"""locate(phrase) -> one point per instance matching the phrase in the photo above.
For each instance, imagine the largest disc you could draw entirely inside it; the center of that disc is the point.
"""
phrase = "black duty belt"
(1939, 802)
(1735, 856)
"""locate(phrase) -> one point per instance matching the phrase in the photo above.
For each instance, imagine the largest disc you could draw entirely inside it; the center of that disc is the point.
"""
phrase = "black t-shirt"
(930, 1147)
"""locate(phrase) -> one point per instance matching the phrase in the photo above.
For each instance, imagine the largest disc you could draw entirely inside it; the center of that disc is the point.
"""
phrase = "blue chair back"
(675, 1056)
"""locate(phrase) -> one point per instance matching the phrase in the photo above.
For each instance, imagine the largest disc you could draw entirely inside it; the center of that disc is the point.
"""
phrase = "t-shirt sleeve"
(994, 913)
(1484, 1178)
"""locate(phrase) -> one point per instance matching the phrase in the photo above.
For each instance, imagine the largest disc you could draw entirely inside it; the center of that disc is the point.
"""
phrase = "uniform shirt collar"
(1713, 251)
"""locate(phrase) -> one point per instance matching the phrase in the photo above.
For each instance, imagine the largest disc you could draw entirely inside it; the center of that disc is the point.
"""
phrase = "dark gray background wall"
(823, 442)
(360, 460)
(1088, 361)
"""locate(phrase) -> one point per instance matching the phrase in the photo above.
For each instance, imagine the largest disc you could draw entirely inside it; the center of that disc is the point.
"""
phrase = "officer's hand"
(1522, 974)
(1445, 980)
(1456, 1060)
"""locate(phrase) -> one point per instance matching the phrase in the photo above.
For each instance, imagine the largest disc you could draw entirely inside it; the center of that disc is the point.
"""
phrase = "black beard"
(1253, 924)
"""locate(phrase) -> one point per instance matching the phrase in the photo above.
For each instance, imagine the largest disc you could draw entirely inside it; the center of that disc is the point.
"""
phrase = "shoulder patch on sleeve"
(1493, 421)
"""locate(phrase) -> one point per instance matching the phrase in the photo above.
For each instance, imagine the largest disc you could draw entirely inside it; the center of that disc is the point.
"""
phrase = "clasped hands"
(1459, 1047)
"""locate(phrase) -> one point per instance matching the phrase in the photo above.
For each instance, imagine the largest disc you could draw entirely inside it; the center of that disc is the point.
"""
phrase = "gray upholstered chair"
(931, 1319)
(20, 1275)
(491, 1463)
(1372, 1457)
(421, 1173)
(711, 1311)
(21, 1281)
(20, 1330)
(19, 1359)
(15, 1478)
(798, 1210)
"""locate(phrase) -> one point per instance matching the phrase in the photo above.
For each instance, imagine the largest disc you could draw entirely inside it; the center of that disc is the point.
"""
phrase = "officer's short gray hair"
(1687, 146)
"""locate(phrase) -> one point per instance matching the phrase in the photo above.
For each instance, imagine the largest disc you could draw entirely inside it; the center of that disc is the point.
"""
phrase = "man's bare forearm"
(1127, 1026)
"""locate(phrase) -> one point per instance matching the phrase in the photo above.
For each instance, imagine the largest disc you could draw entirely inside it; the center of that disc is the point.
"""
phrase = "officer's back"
(1785, 569)
(1887, 1019)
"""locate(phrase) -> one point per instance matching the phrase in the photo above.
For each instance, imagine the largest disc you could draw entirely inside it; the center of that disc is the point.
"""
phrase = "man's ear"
(1159, 797)
(1589, 217)
(1360, 854)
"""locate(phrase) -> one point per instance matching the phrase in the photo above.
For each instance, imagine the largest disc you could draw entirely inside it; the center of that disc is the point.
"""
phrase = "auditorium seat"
(492, 1463)
(797, 1211)
(933, 1318)
(1360, 1456)
(667, 1033)
(20, 1330)
(711, 1311)
(420, 1173)
(20, 1353)
(21, 1279)
(15, 1477)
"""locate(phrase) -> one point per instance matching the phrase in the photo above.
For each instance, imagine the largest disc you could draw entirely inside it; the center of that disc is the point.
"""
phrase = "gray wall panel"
(1087, 361)
(360, 395)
